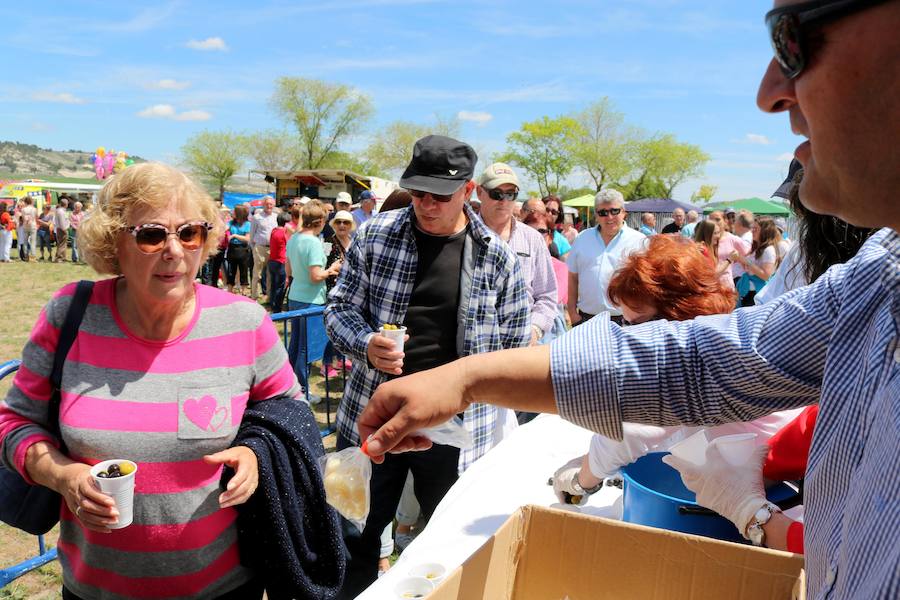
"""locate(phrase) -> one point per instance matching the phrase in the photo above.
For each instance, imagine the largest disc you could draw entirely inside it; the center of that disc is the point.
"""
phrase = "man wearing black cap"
(457, 287)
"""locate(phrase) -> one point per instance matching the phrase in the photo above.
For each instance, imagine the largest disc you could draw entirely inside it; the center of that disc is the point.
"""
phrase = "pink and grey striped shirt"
(163, 405)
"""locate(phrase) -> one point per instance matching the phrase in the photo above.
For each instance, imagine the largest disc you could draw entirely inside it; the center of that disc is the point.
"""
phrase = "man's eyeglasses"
(342, 222)
(605, 212)
(436, 197)
(497, 194)
(786, 26)
(152, 237)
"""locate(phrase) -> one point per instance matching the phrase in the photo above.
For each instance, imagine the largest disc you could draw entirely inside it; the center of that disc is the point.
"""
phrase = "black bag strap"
(67, 334)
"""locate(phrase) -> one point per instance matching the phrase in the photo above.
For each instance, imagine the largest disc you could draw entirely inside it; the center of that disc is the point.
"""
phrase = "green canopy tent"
(757, 206)
(584, 204)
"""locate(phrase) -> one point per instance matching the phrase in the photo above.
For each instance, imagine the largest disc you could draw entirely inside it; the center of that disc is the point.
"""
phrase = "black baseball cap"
(439, 165)
(784, 189)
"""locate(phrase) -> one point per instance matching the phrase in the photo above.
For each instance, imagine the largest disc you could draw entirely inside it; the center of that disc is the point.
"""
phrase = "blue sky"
(142, 77)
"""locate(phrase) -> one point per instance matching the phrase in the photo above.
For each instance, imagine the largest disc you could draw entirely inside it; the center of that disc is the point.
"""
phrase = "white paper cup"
(413, 587)
(395, 334)
(120, 489)
(692, 449)
(433, 572)
(736, 449)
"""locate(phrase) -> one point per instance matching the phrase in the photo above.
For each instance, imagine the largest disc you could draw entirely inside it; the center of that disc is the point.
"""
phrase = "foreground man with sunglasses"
(836, 342)
(436, 269)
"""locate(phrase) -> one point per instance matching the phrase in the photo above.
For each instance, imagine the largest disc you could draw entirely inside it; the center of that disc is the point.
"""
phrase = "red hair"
(672, 276)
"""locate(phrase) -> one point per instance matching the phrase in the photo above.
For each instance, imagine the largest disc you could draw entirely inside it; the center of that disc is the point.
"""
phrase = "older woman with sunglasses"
(161, 373)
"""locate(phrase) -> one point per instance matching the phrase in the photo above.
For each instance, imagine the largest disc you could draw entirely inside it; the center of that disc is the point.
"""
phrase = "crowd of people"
(44, 236)
(628, 333)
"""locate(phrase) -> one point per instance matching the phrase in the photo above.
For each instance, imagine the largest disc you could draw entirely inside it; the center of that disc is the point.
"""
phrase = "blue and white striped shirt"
(835, 342)
(375, 286)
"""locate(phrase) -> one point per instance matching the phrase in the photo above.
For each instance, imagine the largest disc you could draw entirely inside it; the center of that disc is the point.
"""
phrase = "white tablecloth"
(513, 474)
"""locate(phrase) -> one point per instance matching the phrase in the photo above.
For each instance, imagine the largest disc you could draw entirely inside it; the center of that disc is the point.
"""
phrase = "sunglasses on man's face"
(152, 237)
(498, 194)
(605, 212)
(436, 197)
(789, 28)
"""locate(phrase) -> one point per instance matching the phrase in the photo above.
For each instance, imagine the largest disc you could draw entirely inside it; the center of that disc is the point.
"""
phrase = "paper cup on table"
(395, 334)
(433, 572)
(120, 489)
(414, 587)
(692, 449)
(736, 449)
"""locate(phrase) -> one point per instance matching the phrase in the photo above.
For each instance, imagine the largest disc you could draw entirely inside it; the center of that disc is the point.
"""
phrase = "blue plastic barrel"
(654, 496)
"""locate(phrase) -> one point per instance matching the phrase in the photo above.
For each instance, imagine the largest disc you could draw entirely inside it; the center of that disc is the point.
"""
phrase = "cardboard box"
(544, 554)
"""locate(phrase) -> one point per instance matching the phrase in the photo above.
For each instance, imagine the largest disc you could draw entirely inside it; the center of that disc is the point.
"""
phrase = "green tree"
(661, 162)
(273, 150)
(325, 115)
(543, 149)
(605, 145)
(391, 148)
(215, 156)
(705, 193)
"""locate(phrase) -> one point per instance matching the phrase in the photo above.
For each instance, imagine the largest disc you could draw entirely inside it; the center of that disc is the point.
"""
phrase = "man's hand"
(736, 493)
(382, 356)
(403, 406)
(564, 480)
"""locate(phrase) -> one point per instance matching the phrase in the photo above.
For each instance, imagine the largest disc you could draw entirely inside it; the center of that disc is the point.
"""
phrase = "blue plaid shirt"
(834, 342)
(375, 286)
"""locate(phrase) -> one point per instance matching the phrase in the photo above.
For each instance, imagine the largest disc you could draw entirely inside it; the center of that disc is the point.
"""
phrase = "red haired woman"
(669, 280)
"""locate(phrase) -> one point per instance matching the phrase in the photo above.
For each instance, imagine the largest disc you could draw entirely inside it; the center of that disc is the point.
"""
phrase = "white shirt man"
(366, 206)
(596, 254)
(261, 225)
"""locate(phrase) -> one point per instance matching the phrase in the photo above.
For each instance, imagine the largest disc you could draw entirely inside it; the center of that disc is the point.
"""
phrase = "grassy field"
(26, 288)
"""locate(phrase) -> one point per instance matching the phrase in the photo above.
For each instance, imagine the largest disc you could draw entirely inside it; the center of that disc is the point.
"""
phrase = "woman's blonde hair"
(312, 213)
(145, 185)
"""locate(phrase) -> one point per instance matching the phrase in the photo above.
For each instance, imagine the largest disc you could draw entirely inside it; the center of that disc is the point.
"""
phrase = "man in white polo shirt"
(596, 254)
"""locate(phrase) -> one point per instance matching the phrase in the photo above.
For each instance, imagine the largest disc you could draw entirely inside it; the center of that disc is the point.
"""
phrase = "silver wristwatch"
(755, 532)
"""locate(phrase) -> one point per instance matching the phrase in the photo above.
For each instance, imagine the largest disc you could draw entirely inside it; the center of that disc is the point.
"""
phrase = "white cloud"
(209, 44)
(481, 118)
(63, 97)
(169, 84)
(756, 138)
(167, 111)
(41, 127)
(193, 115)
(785, 157)
(158, 111)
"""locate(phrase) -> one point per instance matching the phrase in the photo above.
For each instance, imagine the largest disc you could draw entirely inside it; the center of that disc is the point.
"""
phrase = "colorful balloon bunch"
(109, 163)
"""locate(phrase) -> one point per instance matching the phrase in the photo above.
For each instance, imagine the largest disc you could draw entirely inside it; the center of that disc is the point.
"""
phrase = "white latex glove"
(564, 480)
(736, 493)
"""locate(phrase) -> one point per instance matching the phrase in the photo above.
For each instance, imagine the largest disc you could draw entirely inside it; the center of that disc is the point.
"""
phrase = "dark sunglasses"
(152, 237)
(786, 26)
(605, 212)
(342, 222)
(553, 211)
(436, 197)
(497, 194)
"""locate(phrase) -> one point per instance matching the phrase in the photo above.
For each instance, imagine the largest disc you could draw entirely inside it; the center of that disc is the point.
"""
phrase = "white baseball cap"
(343, 197)
(496, 175)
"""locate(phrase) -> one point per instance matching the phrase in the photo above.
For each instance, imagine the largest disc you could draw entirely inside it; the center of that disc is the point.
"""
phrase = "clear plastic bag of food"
(346, 477)
(451, 433)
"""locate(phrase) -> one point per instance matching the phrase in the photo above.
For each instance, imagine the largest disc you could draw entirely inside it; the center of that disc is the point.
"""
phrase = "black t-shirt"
(431, 319)
(671, 228)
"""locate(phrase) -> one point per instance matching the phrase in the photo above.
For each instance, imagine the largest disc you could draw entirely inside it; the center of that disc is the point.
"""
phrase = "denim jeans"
(296, 350)
(276, 285)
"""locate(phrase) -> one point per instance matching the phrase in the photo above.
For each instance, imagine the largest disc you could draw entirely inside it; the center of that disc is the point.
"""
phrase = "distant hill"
(28, 160)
